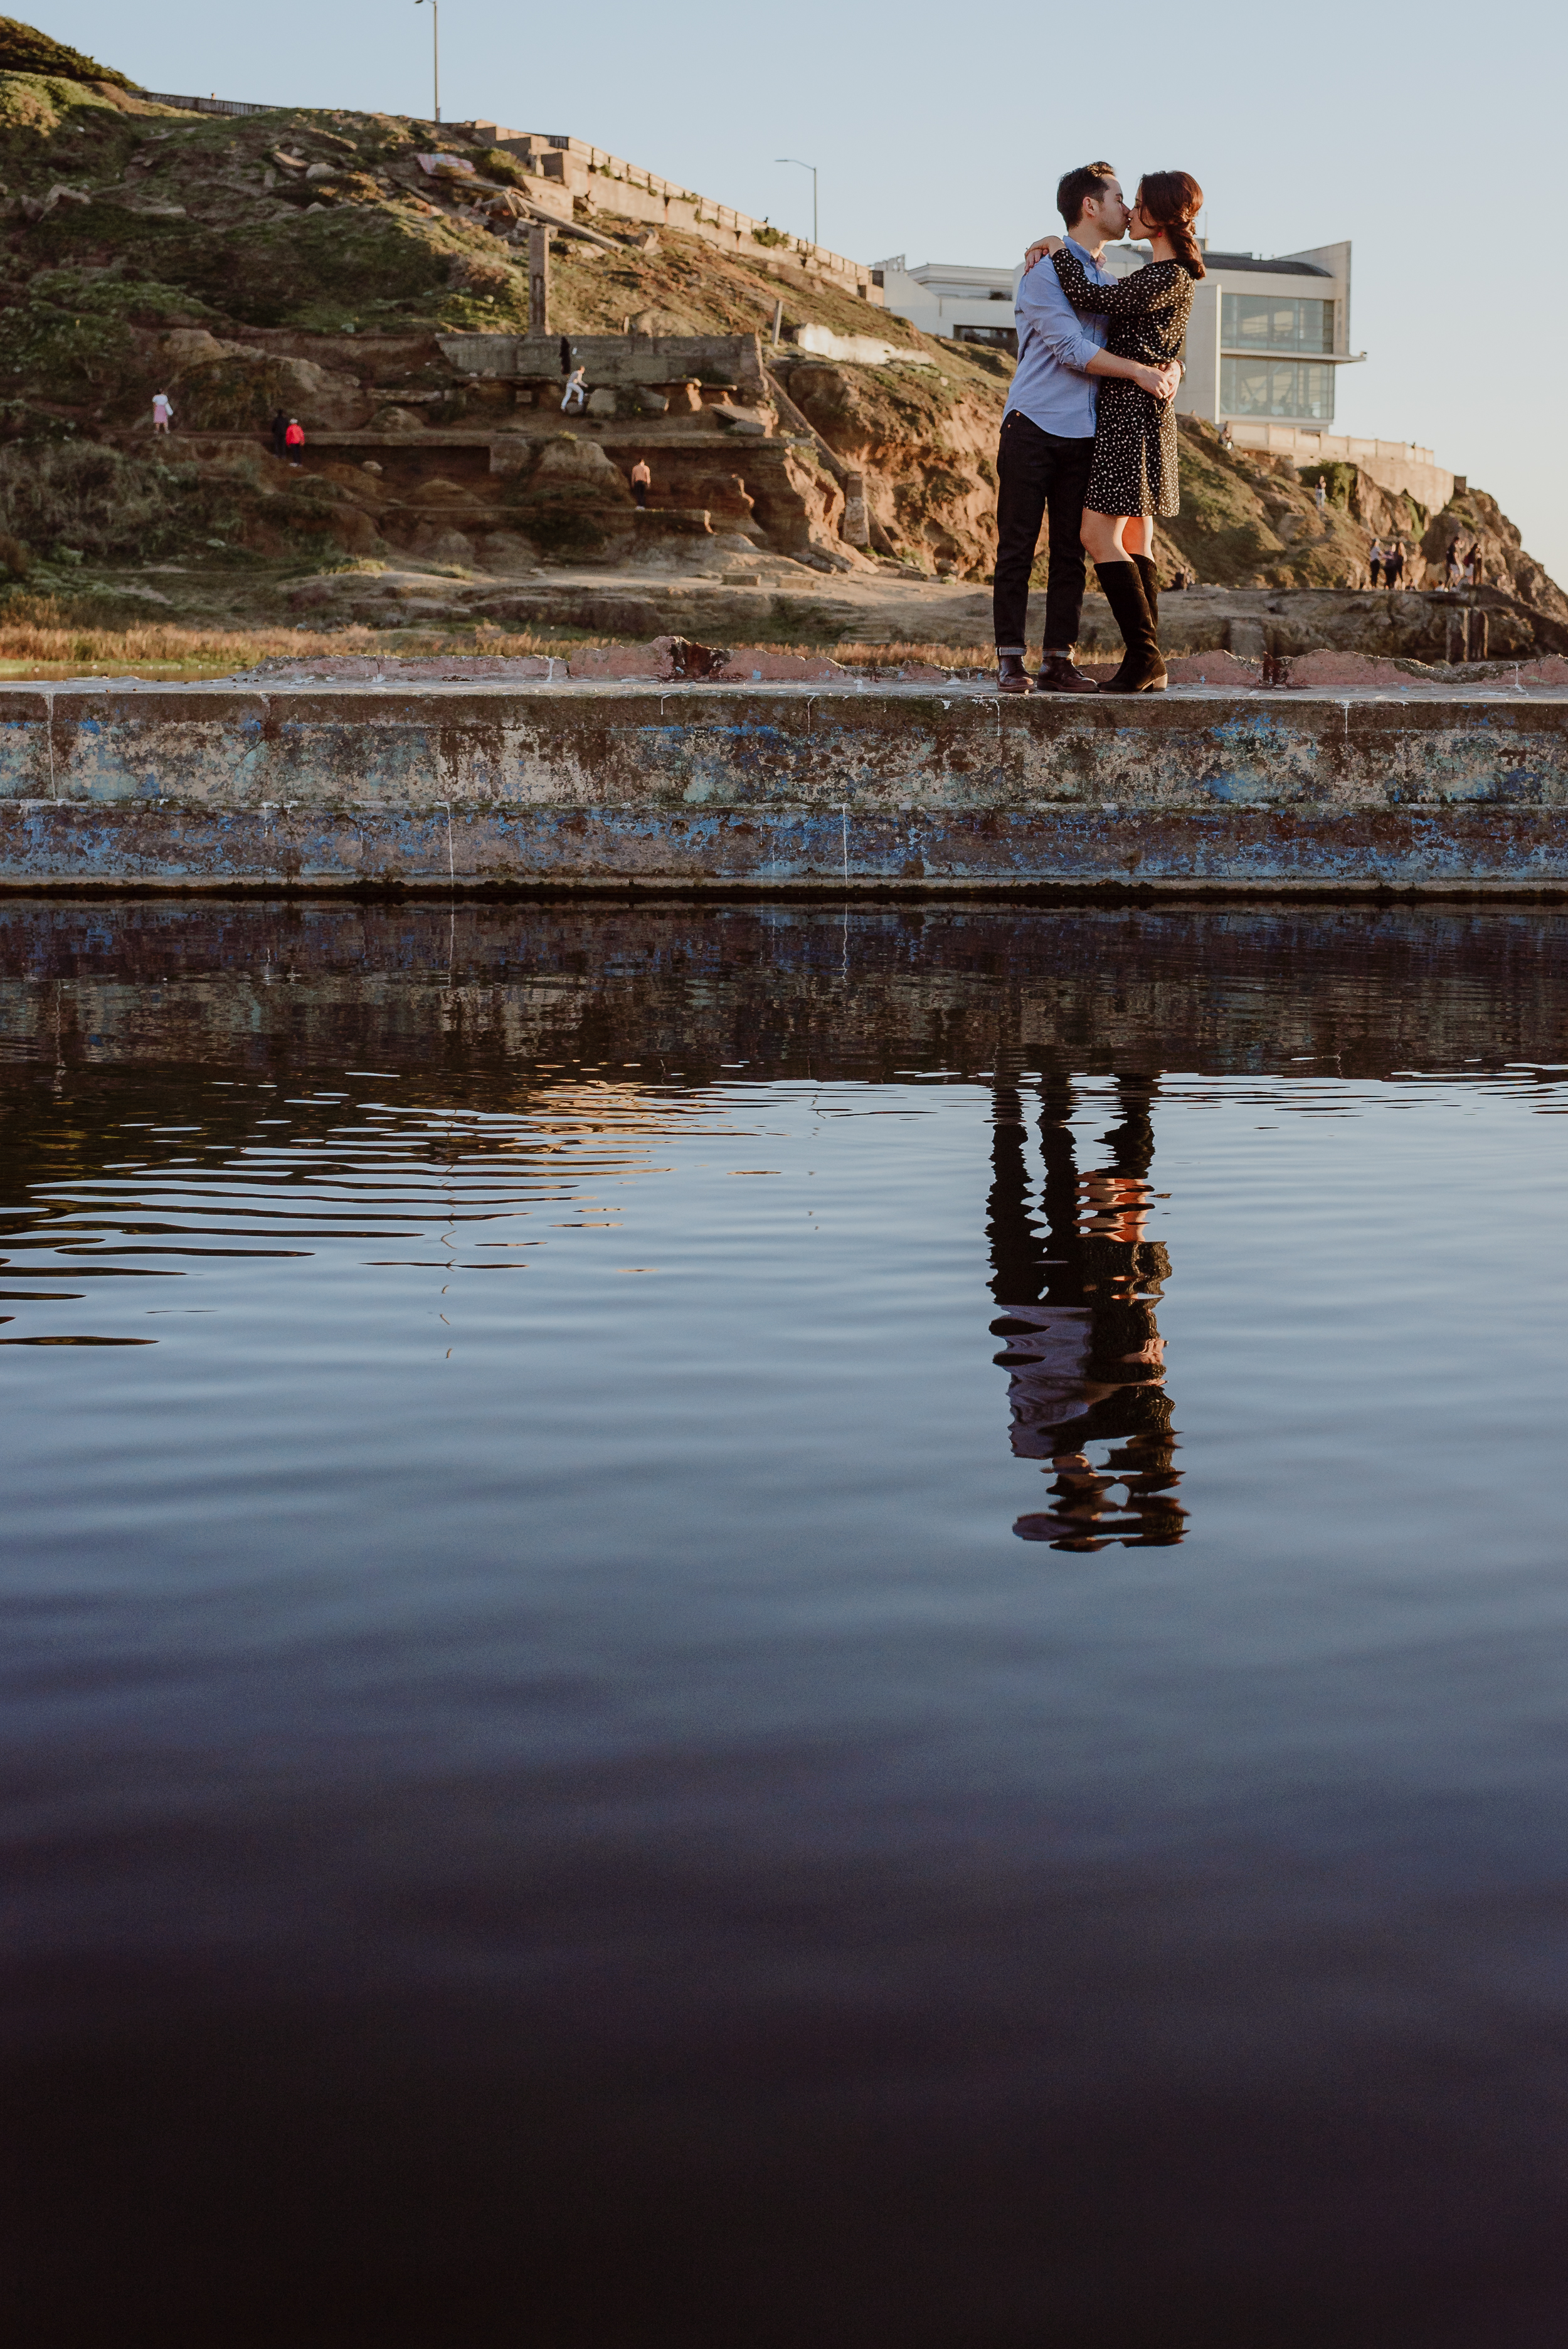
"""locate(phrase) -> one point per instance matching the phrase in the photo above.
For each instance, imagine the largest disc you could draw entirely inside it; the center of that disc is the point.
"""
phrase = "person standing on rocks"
(642, 481)
(162, 412)
(280, 429)
(576, 389)
(1047, 446)
(1394, 563)
(1375, 563)
(293, 439)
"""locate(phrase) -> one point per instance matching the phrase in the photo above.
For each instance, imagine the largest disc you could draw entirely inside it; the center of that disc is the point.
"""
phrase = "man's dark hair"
(1076, 189)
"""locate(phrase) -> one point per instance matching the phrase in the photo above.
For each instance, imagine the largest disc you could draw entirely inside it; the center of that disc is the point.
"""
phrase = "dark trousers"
(1038, 473)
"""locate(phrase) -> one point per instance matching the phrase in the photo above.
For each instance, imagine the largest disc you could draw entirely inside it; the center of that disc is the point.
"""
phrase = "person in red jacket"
(293, 439)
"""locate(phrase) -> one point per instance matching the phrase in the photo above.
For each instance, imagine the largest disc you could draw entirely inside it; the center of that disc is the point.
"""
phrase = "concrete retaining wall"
(827, 787)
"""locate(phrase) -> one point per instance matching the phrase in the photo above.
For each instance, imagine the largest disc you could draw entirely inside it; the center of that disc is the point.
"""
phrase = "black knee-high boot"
(1143, 671)
(1151, 578)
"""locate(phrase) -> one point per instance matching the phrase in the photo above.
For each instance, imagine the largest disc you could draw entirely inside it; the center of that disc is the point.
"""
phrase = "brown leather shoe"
(1012, 677)
(1058, 675)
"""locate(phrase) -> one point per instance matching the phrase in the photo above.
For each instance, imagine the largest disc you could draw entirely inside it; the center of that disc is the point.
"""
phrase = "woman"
(1133, 477)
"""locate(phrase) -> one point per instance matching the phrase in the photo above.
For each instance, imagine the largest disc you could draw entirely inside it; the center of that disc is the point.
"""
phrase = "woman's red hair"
(1173, 201)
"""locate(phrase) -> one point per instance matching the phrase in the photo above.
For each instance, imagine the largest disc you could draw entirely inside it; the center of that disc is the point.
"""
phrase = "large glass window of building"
(1265, 322)
(1276, 388)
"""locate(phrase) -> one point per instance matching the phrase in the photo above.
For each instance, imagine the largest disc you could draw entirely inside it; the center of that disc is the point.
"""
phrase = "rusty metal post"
(539, 281)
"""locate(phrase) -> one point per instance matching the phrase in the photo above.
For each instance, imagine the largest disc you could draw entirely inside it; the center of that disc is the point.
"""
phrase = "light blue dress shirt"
(1055, 346)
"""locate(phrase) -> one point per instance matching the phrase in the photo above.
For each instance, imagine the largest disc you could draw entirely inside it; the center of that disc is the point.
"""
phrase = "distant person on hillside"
(1321, 494)
(1394, 564)
(162, 412)
(1456, 564)
(1227, 438)
(1473, 565)
(1047, 447)
(293, 439)
(280, 428)
(642, 480)
(576, 389)
(1375, 563)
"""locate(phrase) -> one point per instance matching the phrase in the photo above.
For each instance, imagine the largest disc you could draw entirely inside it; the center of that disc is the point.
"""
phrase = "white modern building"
(947, 298)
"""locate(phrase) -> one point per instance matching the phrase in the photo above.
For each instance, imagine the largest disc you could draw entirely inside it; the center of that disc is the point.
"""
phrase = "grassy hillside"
(127, 224)
(138, 242)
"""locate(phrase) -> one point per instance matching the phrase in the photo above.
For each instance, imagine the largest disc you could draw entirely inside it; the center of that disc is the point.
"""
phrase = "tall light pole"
(812, 168)
(435, 49)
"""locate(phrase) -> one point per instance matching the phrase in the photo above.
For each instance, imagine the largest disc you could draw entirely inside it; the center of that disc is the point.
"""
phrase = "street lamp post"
(435, 49)
(812, 168)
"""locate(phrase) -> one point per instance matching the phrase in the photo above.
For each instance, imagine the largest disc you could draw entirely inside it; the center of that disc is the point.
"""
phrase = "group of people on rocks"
(1464, 566)
(287, 432)
(1385, 565)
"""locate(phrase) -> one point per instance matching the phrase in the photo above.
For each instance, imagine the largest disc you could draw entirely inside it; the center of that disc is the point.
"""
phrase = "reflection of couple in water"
(1076, 1308)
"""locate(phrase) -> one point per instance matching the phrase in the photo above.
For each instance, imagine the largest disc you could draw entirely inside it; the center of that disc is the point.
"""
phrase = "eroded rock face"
(565, 461)
(1474, 517)
(574, 504)
(927, 453)
(237, 387)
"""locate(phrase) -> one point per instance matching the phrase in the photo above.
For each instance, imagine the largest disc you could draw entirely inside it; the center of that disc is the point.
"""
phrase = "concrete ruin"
(517, 782)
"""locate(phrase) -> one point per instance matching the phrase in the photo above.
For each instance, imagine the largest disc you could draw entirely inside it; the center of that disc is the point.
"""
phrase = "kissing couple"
(1089, 432)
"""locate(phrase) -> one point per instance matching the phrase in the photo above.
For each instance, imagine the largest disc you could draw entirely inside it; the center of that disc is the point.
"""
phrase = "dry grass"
(963, 659)
(39, 639)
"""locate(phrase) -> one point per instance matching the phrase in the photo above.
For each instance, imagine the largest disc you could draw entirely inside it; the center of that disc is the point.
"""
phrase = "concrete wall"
(1394, 465)
(614, 358)
(609, 184)
(827, 788)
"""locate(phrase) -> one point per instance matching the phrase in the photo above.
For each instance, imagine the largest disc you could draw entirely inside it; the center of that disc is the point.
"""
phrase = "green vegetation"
(24, 50)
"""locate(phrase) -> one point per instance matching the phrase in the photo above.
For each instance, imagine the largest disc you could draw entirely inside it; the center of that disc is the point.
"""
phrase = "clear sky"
(1428, 136)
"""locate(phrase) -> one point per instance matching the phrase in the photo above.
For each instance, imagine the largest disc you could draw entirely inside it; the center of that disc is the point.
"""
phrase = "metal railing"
(208, 105)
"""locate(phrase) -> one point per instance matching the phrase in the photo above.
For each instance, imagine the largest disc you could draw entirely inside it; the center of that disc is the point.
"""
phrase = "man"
(1047, 438)
(576, 388)
(642, 480)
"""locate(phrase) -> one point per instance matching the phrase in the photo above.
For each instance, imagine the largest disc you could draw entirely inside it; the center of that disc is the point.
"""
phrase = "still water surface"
(763, 1628)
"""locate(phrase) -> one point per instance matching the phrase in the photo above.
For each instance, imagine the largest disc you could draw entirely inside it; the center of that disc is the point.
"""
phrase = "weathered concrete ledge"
(827, 789)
